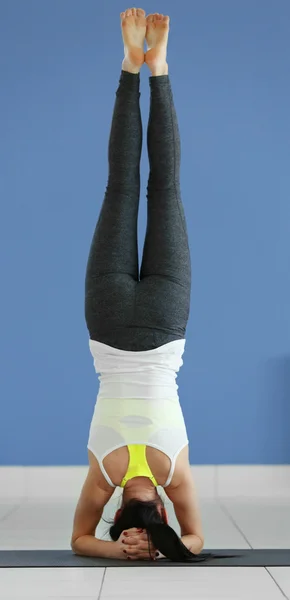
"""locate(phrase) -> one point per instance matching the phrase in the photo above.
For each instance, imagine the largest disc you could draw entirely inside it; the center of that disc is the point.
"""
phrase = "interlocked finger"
(133, 540)
(137, 553)
(137, 544)
(141, 547)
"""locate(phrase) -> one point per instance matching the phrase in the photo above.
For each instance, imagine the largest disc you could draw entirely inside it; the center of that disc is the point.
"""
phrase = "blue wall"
(229, 65)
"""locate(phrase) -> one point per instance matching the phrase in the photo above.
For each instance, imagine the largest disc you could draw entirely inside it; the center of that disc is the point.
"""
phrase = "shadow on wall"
(275, 404)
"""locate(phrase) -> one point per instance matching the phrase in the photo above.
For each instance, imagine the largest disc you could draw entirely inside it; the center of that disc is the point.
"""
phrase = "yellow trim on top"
(138, 465)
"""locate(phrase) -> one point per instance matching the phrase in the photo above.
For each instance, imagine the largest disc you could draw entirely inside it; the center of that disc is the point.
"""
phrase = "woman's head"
(135, 510)
(141, 488)
(151, 515)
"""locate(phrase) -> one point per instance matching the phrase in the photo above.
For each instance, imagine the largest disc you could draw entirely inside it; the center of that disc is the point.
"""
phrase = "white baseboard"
(212, 481)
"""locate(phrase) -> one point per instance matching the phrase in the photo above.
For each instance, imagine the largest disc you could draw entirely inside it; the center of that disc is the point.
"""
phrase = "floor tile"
(7, 509)
(33, 539)
(219, 530)
(264, 522)
(282, 577)
(48, 583)
(39, 516)
(185, 583)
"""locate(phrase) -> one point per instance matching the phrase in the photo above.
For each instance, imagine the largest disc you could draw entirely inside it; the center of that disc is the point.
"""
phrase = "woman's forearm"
(193, 543)
(88, 545)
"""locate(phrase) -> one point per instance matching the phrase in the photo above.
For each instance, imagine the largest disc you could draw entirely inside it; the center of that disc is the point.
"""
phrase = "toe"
(129, 12)
(140, 12)
(150, 18)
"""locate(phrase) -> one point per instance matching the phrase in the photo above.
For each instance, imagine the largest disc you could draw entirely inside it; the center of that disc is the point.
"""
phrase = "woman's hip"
(136, 316)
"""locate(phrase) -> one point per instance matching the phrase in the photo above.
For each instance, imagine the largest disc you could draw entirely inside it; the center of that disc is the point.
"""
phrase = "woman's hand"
(133, 544)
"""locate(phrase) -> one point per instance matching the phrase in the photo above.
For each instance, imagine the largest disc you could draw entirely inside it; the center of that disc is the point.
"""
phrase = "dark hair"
(137, 513)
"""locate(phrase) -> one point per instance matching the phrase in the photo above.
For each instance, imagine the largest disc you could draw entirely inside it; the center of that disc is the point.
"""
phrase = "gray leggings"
(123, 308)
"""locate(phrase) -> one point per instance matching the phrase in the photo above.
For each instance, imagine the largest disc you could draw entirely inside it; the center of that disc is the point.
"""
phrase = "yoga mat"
(66, 558)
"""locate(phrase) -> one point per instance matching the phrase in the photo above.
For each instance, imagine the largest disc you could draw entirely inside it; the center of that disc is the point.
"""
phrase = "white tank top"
(138, 401)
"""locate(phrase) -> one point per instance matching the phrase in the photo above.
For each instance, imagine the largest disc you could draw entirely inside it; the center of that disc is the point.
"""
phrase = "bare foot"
(133, 22)
(157, 39)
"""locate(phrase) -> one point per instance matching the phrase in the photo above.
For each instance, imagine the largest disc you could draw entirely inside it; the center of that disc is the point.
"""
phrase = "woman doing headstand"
(137, 324)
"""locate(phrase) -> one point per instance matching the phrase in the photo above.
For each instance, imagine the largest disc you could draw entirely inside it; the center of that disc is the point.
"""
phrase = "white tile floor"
(228, 523)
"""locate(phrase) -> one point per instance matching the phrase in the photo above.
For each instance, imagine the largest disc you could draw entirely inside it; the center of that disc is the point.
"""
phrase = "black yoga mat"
(66, 558)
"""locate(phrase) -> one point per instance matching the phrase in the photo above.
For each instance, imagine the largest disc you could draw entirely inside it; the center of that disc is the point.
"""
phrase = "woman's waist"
(140, 414)
(138, 385)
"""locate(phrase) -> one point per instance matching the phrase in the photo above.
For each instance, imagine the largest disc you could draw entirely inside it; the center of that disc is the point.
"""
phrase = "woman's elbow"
(200, 546)
(74, 550)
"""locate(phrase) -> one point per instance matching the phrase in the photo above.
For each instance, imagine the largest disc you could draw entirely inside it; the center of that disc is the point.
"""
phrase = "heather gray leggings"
(122, 308)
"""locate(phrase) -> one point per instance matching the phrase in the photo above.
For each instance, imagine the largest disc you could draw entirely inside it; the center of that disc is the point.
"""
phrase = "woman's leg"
(165, 278)
(112, 269)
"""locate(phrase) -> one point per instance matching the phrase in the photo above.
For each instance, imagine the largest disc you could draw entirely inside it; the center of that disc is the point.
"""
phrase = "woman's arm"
(193, 543)
(186, 508)
(88, 513)
(88, 545)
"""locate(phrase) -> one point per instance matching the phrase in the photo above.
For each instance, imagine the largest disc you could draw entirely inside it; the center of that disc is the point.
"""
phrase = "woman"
(137, 326)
